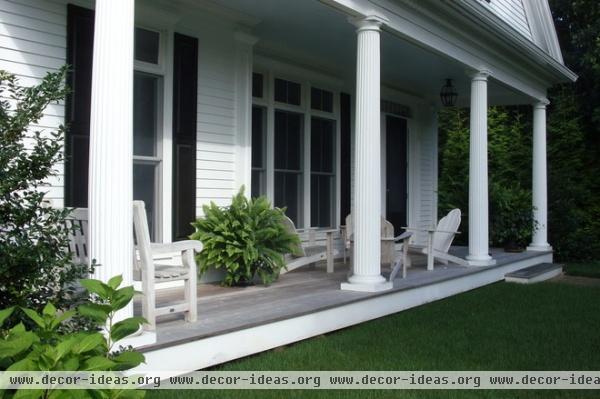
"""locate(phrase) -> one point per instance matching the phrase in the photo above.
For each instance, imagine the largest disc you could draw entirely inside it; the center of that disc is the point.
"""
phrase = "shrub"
(46, 348)
(511, 216)
(246, 239)
(34, 267)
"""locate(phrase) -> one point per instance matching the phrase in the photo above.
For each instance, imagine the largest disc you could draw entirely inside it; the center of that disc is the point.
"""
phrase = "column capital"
(369, 22)
(481, 74)
(541, 104)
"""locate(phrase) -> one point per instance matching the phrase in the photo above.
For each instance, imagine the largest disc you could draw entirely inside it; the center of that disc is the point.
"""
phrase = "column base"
(480, 260)
(367, 284)
(539, 247)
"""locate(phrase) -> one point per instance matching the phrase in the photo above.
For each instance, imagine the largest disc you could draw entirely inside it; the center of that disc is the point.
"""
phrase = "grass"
(546, 326)
(583, 269)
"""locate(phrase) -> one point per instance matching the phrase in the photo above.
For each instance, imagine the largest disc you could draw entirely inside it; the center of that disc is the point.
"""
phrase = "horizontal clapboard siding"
(512, 12)
(215, 155)
(33, 43)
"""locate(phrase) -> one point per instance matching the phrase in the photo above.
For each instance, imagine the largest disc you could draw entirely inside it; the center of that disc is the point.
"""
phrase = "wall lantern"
(448, 94)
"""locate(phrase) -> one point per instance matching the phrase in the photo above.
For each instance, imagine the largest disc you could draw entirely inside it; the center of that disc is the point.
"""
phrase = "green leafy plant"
(246, 239)
(46, 348)
(34, 267)
(511, 217)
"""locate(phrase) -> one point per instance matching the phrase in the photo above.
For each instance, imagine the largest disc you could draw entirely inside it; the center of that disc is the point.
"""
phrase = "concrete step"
(534, 274)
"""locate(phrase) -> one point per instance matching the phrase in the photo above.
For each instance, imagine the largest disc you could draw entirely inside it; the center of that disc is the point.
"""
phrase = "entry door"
(396, 171)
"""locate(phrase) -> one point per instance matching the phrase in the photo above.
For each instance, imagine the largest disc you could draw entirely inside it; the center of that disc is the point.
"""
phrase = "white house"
(325, 106)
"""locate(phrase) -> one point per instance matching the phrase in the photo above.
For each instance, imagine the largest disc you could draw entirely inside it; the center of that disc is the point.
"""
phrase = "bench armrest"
(177, 246)
(430, 230)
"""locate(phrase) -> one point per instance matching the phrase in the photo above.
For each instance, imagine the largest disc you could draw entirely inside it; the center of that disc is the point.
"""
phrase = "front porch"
(237, 322)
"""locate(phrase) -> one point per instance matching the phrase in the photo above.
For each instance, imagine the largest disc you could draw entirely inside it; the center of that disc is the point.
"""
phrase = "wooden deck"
(304, 291)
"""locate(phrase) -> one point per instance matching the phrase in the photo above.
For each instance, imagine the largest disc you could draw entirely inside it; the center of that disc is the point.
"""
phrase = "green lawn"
(546, 326)
(584, 269)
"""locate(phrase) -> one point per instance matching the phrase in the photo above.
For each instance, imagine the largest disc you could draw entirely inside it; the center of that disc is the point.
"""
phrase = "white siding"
(512, 12)
(33, 43)
(216, 133)
(426, 206)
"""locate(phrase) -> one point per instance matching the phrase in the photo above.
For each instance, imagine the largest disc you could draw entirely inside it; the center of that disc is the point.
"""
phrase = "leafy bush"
(246, 239)
(46, 348)
(34, 267)
(511, 216)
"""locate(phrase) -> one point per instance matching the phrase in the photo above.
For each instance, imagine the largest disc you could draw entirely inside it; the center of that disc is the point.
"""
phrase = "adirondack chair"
(311, 252)
(439, 241)
(149, 270)
(387, 240)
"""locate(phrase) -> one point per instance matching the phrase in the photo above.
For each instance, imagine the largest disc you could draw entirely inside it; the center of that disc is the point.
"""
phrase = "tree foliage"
(34, 267)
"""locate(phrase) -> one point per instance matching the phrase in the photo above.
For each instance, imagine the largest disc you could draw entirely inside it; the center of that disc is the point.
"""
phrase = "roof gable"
(532, 19)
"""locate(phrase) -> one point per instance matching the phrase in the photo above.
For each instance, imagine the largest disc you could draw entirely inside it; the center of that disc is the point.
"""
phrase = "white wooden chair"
(153, 272)
(149, 270)
(439, 241)
(388, 250)
(310, 252)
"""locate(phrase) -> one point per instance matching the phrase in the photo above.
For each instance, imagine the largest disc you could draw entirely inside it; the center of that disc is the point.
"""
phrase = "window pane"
(321, 100)
(288, 140)
(146, 45)
(287, 92)
(145, 114)
(259, 186)
(258, 137)
(322, 145)
(144, 186)
(257, 85)
(288, 193)
(321, 200)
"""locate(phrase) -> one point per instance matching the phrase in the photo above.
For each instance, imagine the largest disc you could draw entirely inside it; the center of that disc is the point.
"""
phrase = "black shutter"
(185, 81)
(346, 134)
(80, 45)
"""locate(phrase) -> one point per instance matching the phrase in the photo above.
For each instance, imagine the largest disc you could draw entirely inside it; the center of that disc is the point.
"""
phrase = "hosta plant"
(246, 239)
(46, 348)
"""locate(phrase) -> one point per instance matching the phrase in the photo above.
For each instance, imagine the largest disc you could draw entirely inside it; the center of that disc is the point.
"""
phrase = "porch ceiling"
(315, 34)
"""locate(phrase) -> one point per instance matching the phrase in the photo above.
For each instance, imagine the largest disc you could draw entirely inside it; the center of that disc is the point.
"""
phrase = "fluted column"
(540, 189)
(111, 143)
(478, 173)
(367, 189)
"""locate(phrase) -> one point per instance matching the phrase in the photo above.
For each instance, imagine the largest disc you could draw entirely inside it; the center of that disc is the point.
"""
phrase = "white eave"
(488, 20)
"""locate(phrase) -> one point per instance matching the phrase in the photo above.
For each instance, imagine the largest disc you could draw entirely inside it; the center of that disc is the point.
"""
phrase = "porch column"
(367, 189)
(111, 143)
(478, 173)
(540, 190)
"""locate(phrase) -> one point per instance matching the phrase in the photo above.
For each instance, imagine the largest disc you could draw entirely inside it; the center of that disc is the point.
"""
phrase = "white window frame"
(271, 69)
(163, 157)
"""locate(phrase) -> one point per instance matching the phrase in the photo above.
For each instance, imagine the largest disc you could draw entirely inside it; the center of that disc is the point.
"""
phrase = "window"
(321, 100)
(147, 45)
(257, 85)
(288, 163)
(287, 92)
(147, 100)
(298, 125)
(259, 164)
(322, 169)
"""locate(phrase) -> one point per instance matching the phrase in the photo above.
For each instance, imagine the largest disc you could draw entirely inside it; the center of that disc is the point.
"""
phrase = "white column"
(540, 190)
(243, 87)
(367, 189)
(111, 143)
(478, 174)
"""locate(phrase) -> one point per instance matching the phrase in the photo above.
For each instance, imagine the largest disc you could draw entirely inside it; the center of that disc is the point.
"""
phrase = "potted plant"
(247, 239)
(511, 216)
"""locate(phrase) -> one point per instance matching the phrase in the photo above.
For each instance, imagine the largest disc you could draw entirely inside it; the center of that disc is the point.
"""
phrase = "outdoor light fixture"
(448, 94)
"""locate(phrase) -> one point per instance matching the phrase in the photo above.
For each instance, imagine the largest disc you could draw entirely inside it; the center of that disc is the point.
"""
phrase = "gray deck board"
(222, 310)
